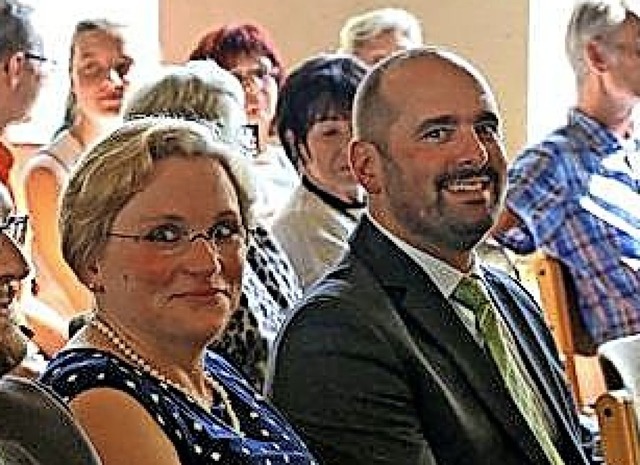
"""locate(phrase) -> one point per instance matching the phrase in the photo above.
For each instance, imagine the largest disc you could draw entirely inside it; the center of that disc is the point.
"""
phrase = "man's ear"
(14, 68)
(364, 158)
(597, 57)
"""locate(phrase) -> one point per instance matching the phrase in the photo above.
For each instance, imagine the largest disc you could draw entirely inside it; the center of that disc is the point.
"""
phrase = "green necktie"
(496, 336)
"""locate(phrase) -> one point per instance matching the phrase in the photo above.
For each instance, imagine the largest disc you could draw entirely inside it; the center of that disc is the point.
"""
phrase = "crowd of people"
(241, 261)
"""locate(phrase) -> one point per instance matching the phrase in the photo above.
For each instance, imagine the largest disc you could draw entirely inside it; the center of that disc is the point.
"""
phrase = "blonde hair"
(361, 28)
(197, 90)
(119, 166)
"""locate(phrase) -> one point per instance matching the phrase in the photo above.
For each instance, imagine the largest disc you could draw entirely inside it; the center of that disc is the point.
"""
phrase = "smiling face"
(99, 70)
(185, 292)
(438, 183)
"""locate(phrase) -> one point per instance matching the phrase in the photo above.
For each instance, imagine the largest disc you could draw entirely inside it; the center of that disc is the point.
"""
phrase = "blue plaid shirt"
(578, 197)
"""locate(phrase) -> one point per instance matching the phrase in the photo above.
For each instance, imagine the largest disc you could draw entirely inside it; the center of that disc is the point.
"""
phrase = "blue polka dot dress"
(199, 436)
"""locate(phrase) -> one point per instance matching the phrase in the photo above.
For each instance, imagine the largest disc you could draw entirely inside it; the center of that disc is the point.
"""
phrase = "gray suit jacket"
(374, 367)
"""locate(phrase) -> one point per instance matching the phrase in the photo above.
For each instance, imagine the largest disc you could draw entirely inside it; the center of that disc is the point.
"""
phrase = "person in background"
(98, 66)
(14, 269)
(204, 91)
(27, 408)
(154, 221)
(247, 51)
(574, 195)
(313, 119)
(42, 326)
(376, 34)
(23, 67)
(410, 350)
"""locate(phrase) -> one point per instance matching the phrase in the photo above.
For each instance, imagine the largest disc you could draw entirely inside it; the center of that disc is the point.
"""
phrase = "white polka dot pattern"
(199, 436)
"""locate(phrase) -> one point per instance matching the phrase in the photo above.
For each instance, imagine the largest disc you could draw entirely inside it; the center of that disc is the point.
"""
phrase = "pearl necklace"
(130, 353)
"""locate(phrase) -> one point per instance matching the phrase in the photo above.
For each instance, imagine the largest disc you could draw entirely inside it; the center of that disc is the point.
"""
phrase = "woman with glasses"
(204, 91)
(247, 51)
(154, 221)
(99, 67)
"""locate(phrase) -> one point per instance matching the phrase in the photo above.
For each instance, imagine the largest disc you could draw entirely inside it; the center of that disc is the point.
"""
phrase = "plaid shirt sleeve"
(538, 190)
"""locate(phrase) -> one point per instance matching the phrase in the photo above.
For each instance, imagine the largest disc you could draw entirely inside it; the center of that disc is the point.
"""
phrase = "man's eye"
(438, 134)
(488, 130)
(168, 233)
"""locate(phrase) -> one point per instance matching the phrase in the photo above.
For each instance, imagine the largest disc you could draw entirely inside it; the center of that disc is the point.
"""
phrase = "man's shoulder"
(563, 140)
(347, 292)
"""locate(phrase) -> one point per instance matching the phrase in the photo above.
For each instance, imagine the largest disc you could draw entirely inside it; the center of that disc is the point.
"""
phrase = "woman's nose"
(204, 255)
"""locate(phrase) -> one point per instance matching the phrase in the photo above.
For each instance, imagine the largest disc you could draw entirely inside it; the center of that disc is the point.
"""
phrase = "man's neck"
(614, 112)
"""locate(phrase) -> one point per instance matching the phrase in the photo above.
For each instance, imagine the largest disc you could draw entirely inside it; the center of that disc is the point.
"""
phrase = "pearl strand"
(132, 355)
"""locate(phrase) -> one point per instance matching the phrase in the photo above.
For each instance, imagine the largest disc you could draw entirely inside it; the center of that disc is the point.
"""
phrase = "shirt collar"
(445, 277)
(598, 134)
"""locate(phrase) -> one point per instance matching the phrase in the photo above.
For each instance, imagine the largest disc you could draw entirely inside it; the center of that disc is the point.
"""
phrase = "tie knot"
(470, 293)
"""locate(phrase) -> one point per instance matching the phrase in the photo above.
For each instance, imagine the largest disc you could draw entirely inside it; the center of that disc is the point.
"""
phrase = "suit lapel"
(433, 319)
(534, 354)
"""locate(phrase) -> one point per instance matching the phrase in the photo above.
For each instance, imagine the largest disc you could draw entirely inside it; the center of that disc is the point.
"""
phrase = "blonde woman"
(99, 66)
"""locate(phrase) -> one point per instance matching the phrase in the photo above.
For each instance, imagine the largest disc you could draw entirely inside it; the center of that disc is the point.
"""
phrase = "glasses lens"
(46, 64)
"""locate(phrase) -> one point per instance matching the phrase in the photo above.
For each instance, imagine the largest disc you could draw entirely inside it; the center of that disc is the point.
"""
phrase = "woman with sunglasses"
(166, 272)
(99, 67)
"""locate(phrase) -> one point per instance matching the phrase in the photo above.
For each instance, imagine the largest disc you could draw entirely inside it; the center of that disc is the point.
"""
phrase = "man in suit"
(382, 363)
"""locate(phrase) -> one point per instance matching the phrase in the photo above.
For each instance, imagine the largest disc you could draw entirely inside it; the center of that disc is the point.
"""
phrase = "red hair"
(227, 42)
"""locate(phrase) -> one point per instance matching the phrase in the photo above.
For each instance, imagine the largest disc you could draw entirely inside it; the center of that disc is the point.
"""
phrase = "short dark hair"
(229, 41)
(373, 114)
(322, 85)
(16, 31)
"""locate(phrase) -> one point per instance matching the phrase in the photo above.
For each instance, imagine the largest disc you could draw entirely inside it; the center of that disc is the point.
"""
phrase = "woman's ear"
(91, 277)
(364, 158)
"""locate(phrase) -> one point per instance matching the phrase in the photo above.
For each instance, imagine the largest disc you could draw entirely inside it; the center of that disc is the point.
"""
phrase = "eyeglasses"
(15, 226)
(174, 239)
(263, 71)
(46, 64)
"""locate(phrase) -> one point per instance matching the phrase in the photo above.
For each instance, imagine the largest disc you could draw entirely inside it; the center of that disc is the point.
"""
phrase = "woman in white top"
(98, 68)
(313, 118)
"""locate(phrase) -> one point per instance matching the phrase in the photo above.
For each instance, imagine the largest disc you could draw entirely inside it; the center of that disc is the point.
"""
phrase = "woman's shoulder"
(73, 371)
(57, 156)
